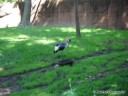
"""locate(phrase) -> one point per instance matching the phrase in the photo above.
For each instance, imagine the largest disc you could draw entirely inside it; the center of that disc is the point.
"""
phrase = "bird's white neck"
(67, 44)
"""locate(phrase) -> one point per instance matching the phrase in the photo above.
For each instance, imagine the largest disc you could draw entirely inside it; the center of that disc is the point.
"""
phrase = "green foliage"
(1, 1)
(70, 92)
(38, 79)
(26, 51)
(33, 92)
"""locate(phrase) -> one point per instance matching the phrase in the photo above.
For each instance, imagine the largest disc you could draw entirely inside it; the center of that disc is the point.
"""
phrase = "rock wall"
(111, 14)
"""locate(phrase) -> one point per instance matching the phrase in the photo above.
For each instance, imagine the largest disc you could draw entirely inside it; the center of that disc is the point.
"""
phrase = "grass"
(34, 92)
(23, 52)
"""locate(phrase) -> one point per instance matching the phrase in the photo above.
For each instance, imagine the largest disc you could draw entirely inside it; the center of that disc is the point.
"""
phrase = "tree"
(77, 19)
(21, 7)
(25, 19)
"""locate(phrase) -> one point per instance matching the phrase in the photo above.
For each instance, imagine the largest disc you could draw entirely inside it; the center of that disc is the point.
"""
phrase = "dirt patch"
(5, 91)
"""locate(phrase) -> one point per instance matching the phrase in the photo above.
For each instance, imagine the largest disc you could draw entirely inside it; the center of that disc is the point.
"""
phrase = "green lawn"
(26, 51)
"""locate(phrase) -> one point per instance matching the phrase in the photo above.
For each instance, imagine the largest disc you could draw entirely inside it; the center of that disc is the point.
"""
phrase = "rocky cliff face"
(112, 14)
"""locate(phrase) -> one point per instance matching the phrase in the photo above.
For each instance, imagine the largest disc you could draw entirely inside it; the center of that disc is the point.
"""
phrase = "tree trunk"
(78, 34)
(21, 7)
(25, 20)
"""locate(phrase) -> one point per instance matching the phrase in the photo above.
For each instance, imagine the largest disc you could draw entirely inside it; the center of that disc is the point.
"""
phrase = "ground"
(28, 63)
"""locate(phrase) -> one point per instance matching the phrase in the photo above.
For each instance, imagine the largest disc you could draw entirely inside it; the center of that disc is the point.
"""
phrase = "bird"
(62, 45)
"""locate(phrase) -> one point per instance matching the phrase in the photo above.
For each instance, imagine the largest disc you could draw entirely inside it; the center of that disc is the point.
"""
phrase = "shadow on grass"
(39, 42)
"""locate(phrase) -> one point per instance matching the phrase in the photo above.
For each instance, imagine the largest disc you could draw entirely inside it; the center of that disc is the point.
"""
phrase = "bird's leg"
(60, 59)
(60, 55)
(63, 54)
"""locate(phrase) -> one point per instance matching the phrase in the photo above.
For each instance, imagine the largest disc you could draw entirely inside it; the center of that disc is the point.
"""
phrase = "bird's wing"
(60, 46)
(56, 48)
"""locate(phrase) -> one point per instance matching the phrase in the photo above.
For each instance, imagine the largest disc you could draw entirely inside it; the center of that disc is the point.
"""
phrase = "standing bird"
(61, 46)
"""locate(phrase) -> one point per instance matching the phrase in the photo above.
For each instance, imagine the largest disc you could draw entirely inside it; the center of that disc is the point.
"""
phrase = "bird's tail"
(55, 51)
